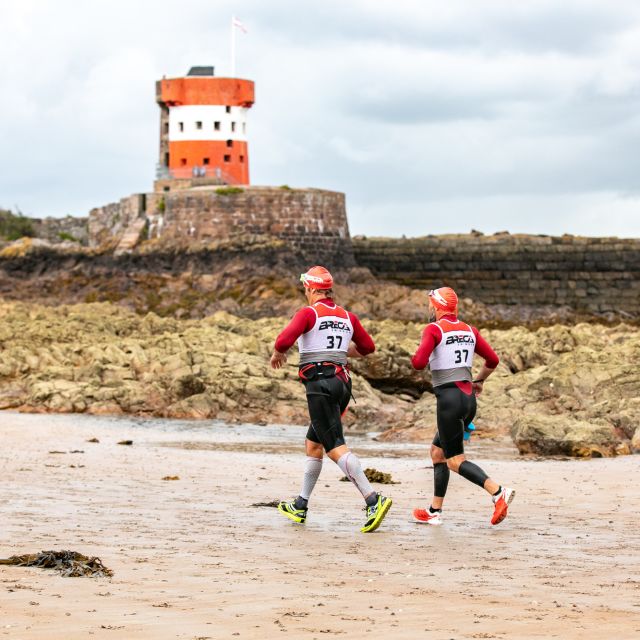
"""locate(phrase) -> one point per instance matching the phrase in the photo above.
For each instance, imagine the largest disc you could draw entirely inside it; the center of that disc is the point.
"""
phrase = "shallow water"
(216, 435)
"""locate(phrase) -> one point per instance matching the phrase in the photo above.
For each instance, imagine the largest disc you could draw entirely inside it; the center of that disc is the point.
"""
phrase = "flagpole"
(233, 47)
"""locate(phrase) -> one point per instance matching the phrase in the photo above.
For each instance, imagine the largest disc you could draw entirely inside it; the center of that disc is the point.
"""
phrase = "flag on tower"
(237, 23)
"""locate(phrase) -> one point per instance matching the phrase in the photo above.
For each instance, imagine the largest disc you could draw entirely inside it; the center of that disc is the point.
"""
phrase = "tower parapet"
(203, 127)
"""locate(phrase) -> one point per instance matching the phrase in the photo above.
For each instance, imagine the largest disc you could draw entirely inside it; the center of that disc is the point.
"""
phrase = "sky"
(432, 117)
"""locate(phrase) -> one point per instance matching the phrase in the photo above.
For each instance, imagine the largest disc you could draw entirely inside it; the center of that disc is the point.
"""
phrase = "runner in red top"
(448, 346)
(327, 335)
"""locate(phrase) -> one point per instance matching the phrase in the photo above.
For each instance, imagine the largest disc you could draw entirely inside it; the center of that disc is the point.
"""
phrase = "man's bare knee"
(314, 449)
(455, 462)
(437, 455)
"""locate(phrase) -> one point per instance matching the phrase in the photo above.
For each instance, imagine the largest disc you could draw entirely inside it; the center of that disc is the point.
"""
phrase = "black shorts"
(327, 399)
(455, 410)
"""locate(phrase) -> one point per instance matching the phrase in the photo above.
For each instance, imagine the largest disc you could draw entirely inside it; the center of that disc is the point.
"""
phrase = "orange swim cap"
(444, 298)
(317, 278)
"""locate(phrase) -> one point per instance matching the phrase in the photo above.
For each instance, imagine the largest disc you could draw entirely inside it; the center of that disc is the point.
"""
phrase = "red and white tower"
(203, 126)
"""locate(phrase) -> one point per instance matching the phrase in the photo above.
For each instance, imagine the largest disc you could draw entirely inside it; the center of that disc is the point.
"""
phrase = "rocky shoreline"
(569, 390)
(251, 277)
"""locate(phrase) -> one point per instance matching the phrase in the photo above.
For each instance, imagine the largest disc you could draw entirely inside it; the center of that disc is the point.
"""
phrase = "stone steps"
(131, 236)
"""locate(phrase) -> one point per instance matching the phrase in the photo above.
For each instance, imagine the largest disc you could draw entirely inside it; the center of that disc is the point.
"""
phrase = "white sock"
(351, 467)
(312, 469)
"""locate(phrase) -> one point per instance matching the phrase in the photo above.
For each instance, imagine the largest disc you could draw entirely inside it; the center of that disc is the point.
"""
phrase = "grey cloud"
(347, 98)
(572, 27)
(422, 106)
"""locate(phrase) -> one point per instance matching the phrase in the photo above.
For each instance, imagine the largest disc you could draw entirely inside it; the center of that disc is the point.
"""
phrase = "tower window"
(233, 126)
(183, 162)
(227, 158)
(229, 143)
(198, 124)
(181, 126)
(205, 160)
(241, 158)
(216, 125)
(228, 109)
(166, 127)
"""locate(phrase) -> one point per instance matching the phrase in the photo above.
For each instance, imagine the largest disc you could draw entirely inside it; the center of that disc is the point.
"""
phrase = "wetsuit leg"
(455, 410)
(451, 412)
(311, 434)
(441, 475)
(440, 472)
(326, 399)
(473, 473)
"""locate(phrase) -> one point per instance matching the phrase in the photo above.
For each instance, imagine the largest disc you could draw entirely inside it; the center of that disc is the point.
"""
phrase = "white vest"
(330, 336)
(456, 348)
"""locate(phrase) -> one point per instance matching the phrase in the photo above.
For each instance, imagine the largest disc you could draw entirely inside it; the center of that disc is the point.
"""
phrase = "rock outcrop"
(558, 390)
(553, 435)
(254, 277)
(99, 358)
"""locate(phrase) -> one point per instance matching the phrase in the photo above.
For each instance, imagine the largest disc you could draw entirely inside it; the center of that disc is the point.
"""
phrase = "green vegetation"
(153, 300)
(15, 226)
(286, 187)
(161, 205)
(228, 191)
(63, 235)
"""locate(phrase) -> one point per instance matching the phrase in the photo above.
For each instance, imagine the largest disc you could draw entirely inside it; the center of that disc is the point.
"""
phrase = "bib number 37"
(334, 342)
(459, 359)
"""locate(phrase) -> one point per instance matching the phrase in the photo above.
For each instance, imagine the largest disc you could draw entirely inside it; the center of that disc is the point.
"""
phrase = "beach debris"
(273, 503)
(65, 452)
(373, 475)
(126, 442)
(93, 440)
(69, 564)
(171, 478)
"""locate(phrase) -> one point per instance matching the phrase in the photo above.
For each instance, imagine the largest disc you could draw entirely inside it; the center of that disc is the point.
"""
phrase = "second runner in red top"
(448, 346)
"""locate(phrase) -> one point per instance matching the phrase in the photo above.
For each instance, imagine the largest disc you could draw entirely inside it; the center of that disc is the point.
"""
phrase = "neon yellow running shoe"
(289, 510)
(376, 514)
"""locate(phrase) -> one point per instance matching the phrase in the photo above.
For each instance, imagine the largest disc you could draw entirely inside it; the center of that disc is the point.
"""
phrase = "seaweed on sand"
(373, 475)
(70, 564)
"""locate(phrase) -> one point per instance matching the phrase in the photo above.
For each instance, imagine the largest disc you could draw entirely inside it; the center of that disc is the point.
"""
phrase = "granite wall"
(594, 275)
(311, 221)
(57, 230)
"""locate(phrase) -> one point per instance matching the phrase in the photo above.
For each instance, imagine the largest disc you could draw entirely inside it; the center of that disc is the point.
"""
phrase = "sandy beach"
(193, 559)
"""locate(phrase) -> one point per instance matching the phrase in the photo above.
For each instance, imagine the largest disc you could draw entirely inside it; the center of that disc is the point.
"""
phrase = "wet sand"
(193, 559)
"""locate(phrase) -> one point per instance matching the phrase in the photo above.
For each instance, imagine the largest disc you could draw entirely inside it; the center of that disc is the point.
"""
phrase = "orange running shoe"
(502, 502)
(424, 516)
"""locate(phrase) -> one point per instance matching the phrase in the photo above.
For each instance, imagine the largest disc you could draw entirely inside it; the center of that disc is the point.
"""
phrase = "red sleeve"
(363, 341)
(431, 337)
(484, 350)
(302, 322)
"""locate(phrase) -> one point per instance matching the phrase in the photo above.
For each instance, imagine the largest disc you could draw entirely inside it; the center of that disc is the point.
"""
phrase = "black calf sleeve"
(440, 479)
(473, 473)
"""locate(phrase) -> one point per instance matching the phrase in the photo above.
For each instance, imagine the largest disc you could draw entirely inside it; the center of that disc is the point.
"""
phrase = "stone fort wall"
(590, 275)
(311, 221)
